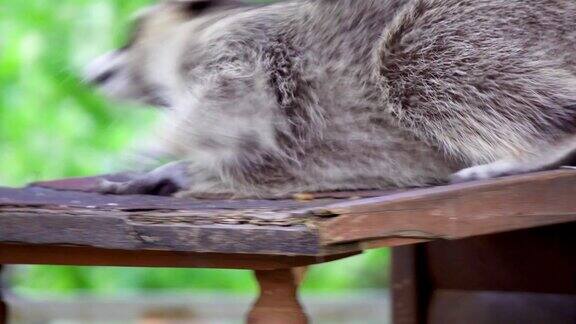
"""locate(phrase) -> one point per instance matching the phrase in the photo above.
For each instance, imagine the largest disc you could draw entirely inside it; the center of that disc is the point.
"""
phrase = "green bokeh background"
(53, 126)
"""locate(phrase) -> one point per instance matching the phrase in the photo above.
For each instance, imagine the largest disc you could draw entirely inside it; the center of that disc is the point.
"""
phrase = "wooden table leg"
(3, 305)
(409, 286)
(278, 301)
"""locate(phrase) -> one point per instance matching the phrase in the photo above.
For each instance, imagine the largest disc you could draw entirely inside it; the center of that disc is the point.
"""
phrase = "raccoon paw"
(163, 181)
(486, 171)
(140, 186)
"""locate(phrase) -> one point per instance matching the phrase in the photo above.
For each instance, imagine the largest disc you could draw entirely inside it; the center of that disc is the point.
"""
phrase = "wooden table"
(465, 273)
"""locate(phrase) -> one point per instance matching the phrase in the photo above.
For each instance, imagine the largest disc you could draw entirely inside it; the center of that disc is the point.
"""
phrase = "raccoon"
(303, 95)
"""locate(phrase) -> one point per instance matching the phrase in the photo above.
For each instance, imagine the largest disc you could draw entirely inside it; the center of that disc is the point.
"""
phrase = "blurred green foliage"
(366, 271)
(52, 126)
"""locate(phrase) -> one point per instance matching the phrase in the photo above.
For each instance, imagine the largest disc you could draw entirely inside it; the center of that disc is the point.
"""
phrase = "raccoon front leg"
(226, 128)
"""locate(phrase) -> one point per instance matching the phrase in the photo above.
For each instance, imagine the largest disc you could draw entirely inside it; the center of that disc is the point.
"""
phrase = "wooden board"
(457, 211)
(48, 217)
(328, 226)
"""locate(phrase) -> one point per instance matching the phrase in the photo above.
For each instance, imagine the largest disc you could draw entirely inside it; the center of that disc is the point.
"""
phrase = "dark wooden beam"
(487, 307)
(525, 276)
(90, 256)
(538, 260)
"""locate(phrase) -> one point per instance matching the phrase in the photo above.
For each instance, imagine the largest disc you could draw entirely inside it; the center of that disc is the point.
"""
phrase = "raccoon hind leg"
(547, 159)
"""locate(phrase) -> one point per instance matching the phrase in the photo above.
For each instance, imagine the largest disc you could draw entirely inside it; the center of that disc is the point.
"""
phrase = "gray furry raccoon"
(323, 95)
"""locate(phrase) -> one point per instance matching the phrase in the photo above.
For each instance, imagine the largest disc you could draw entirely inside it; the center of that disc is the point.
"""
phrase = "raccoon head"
(138, 71)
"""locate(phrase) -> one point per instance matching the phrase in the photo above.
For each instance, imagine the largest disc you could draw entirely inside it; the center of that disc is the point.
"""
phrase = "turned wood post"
(278, 301)
(3, 305)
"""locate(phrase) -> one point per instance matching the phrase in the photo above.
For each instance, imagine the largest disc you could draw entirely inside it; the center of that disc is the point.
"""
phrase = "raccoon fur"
(304, 95)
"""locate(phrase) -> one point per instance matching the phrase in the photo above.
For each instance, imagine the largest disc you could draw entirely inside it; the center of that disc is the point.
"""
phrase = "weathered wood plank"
(116, 230)
(269, 227)
(456, 211)
(48, 217)
(323, 226)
